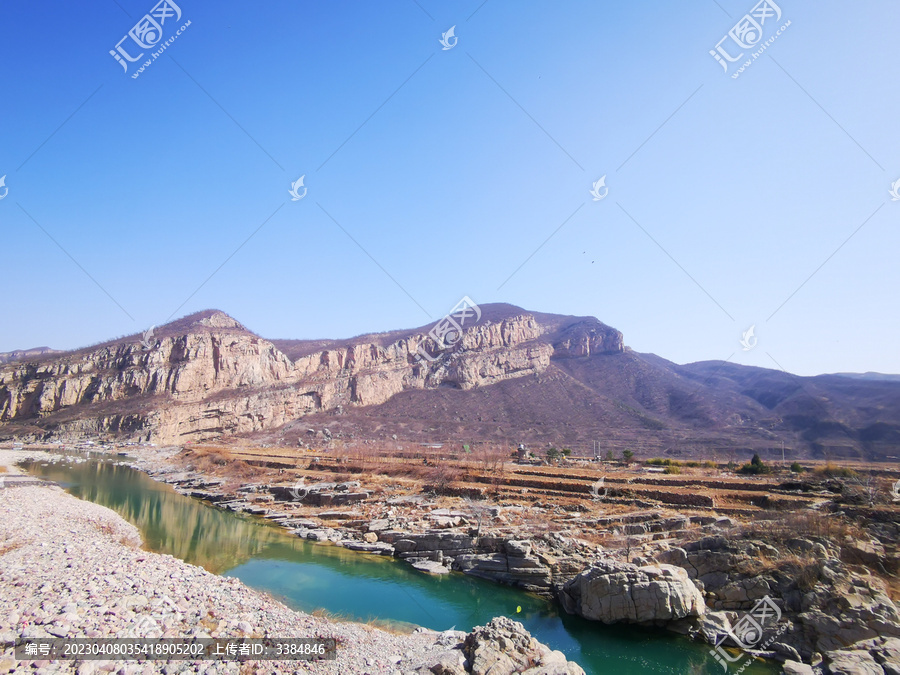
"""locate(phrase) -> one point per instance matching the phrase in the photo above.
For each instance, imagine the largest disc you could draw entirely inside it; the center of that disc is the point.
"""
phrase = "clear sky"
(433, 173)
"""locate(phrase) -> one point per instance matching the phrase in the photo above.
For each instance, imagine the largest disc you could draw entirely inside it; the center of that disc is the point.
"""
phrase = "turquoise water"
(310, 576)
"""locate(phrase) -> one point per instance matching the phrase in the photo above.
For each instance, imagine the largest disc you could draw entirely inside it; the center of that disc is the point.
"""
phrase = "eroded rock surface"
(614, 592)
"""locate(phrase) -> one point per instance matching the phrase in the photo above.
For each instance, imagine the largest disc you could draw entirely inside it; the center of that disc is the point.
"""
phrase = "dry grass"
(392, 627)
(380, 624)
(105, 528)
(207, 459)
(802, 525)
(831, 470)
(2, 469)
(803, 569)
(893, 587)
(322, 613)
(8, 546)
(221, 463)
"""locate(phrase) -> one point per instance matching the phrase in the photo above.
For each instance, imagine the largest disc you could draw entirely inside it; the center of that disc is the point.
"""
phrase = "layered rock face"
(614, 592)
(494, 558)
(216, 378)
(586, 338)
(828, 609)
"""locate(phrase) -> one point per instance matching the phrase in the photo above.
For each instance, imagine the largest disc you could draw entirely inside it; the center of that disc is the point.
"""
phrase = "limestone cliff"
(207, 376)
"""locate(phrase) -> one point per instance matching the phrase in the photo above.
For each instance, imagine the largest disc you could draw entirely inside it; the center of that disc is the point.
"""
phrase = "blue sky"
(434, 174)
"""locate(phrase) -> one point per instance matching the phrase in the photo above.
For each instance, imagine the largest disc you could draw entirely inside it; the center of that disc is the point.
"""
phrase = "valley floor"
(71, 568)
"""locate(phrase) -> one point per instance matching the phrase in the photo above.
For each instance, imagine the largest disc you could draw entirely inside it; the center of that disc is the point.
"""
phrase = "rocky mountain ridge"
(21, 354)
(214, 377)
(514, 376)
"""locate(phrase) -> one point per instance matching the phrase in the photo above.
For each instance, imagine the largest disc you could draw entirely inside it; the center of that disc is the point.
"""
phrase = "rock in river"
(612, 592)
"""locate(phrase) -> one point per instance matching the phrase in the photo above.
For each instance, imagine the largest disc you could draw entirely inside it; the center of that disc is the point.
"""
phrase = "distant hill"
(23, 354)
(871, 376)
(514, 376)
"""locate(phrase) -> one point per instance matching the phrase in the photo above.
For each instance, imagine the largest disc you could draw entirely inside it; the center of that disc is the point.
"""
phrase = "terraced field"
(573, 483)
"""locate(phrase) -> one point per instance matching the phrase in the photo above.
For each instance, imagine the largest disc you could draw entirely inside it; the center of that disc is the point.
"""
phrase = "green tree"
(755, 467)
(552, 455)
(566, 452)
(796, 467)
(609, 456)
(627, 455)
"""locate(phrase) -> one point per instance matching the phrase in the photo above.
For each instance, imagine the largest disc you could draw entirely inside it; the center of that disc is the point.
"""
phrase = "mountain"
(21, 354)
(513, 376)
(871, 376)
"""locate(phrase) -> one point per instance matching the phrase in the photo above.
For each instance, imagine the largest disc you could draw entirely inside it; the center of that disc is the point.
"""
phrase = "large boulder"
(614, 592)
(503, 647)
(854, 662)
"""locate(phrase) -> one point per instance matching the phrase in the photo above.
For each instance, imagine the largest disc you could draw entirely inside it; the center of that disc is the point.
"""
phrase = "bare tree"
(480, 510)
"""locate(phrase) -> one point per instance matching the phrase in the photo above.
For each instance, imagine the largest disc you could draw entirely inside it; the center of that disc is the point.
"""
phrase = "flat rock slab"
(21, 481)
(338, 515)
(430, 566)
(377, 548)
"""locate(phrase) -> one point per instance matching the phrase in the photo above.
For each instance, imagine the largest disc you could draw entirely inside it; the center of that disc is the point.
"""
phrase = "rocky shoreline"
(698, 575)
(477, 538)
(71, 568)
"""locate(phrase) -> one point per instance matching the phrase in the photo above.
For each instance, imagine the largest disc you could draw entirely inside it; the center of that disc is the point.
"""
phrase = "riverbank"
(825, 570)
(817, 566)
(71, 568)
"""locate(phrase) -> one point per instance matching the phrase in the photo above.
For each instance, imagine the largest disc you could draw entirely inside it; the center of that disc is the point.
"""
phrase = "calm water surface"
(310, 576)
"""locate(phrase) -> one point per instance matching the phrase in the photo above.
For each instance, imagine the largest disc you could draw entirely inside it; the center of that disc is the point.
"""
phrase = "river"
(350, 585)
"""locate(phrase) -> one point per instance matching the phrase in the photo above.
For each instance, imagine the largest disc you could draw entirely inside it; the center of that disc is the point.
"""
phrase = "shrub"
(833, 471)
(710, 464)
(656, 461)
(442, 476)
(755, 467)
(672, 469)
(627, 455)
(796, 468)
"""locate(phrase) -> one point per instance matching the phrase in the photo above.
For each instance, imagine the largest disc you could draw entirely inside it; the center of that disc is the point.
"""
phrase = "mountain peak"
(207, 318)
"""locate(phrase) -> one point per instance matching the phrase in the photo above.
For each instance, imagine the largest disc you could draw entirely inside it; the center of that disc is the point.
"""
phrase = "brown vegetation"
(10, 545)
